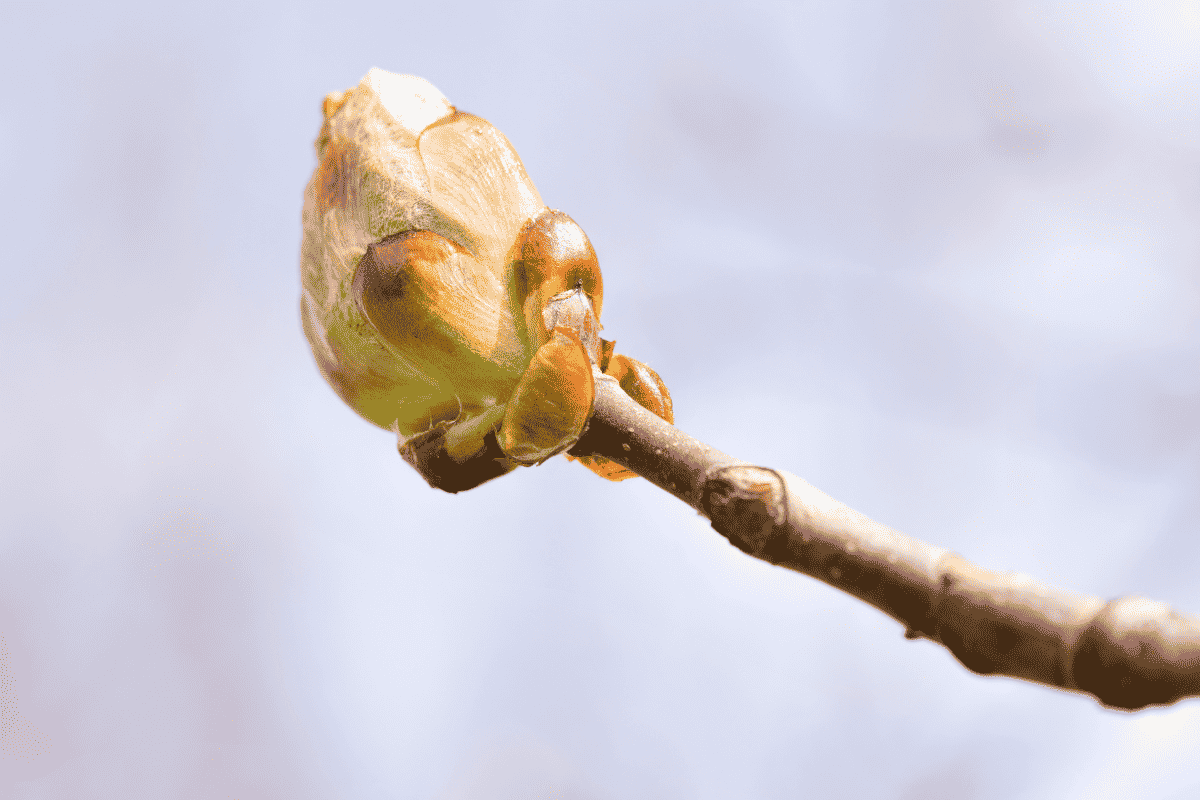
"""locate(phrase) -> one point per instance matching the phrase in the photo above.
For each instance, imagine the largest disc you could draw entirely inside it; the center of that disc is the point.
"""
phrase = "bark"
(1129, 653)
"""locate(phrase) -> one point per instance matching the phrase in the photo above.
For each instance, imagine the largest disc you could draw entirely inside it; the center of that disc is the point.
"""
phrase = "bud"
(442, 299)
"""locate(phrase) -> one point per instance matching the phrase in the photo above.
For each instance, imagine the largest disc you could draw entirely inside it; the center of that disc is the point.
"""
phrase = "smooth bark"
(1129, 653)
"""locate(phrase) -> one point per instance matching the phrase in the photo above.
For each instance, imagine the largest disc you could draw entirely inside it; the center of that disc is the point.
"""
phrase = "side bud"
(551, 405)
(554, 256)
(641, 383)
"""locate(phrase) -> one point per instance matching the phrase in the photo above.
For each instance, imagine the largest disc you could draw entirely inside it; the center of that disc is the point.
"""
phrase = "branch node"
(746, 504)
(1138, 652)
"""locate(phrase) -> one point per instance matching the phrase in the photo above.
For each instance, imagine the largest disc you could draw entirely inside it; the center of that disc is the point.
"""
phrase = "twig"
(1129, 653)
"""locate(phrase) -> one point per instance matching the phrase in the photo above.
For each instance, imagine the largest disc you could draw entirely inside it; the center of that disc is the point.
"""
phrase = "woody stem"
(1129, 653)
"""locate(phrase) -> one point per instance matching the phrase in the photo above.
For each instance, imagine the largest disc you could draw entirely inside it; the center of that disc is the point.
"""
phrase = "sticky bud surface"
(550, 407)
(441, 297)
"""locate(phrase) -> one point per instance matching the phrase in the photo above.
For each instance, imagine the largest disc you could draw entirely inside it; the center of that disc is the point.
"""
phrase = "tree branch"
(1129, 653)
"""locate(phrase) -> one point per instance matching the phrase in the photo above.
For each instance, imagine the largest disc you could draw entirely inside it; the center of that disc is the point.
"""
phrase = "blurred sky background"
(940, 259)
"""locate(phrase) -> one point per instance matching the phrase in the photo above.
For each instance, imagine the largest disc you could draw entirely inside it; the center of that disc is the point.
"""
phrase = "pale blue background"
(940, 259)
